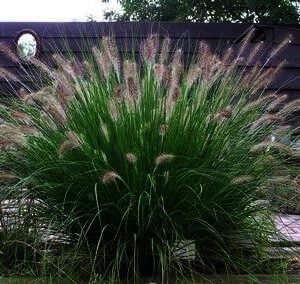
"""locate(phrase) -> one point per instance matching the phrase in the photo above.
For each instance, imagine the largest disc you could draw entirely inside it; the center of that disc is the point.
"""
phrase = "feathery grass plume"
(163, 158)
(224, 114)
(253, 55)
(227, 56)
(149, 48)
(163, 129)
(192, 75)
(245, 41)
(119, 93)
(283, 129)
(290, 108)
(11, 136)
(161, 73)
(208, 62)
(89, 69)
(113, 109)
(110, 48)
(164, 50)
(64, 90)
(242, 179)
(42, 97)
(7, 177)
(131, 78)
(176, 71)
(46, 99)
(29, 130)
(109, 177)
(8, 75)
(273, 106)
(72, 136)
(296, 180)
(203, 54)
(21, 117)
(260, 102)
(279, 179)
(280, 47)
(64, 65)
(5, 145)
(77, 67)
(42, 66)
(6, 51)
(56, 113)
(69, 144)
(265, 118)
(269, 145)
(102, 61)
(263, 80)
(131, 158)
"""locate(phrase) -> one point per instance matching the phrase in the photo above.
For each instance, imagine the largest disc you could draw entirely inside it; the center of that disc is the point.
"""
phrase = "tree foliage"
(236, 11)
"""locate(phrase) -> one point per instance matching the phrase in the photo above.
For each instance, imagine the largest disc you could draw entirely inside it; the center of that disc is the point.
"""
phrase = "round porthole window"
(26, 46)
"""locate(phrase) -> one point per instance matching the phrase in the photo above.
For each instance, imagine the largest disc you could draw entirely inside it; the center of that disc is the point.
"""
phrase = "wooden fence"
(79, 37)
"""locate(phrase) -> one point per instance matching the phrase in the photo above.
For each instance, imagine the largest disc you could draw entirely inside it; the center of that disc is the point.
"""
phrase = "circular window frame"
(38, 44)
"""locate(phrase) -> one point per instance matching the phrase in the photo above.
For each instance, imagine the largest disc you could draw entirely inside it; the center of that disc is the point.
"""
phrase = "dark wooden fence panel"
(80, 37)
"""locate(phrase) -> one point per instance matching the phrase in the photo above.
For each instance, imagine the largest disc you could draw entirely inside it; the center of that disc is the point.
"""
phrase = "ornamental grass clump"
(141, 156)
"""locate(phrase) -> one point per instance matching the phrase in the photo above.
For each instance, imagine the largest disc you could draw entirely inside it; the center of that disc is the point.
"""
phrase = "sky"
(50, 10)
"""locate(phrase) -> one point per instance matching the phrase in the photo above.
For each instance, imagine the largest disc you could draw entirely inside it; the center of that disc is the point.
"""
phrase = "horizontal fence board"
(125, 29)
(281, 33)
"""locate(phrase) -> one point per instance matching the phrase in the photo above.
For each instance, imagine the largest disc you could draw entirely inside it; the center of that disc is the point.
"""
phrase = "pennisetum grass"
(143, 155)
